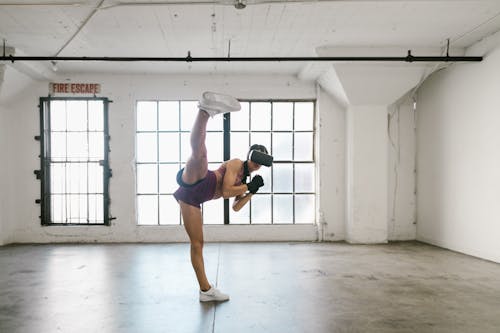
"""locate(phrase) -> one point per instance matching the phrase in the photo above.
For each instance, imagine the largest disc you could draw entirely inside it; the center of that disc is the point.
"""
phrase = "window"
(286, 128)
(74, 170)
(162, 147)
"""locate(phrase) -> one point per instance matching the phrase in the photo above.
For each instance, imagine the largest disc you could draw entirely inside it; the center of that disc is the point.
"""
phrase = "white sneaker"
(214, 103)
(213, 295)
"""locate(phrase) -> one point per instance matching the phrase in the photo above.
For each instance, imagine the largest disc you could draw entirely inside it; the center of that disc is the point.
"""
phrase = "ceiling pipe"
(409, 58)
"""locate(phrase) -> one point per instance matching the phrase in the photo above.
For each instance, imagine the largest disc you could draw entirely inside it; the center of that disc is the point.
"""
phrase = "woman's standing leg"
(194, 228)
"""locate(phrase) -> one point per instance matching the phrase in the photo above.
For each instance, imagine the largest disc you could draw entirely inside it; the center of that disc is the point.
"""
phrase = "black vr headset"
(259, 155)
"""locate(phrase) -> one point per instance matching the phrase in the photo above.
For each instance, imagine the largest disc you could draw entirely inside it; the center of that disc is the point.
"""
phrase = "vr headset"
(260, 158)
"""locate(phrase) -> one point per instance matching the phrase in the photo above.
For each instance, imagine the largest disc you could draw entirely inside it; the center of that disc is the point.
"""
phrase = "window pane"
(185, 147)
(260, 116)
(215, 145)
(77, 208)
(96, 146)
(169, 210)
(282, 178)
(304, 116)
(146, 147)
(95, 178)
(76, 180)
(77, 115)
(304, 177)
(169, 147)
(240, 217)
(58, 208)
(304, 208)
(261, 139)
(239, 145)
(57, 115)
(214, 166)
(261, 209)
(168, 116)
(213, 212)
(282, 146)
(58, 146)
(283, 209)
(282, 116)
(76, 146)
(168, 182)
(189, 110)
(216, 123)
(147, 178)
(303, 147)
(147, 209)
(96, 210)
(146, 116)
(57, 178)
(96, 116)
(240, 120)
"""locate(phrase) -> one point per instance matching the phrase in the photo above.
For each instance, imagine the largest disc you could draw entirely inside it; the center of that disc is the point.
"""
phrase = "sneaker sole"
(218, 103)
(211, 299)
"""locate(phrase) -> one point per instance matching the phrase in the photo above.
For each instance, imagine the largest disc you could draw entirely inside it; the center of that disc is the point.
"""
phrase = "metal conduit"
(408, 58)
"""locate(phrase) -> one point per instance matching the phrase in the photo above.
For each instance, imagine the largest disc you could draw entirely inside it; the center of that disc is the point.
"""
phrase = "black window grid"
(46, 161)
(272, 192)
(226, 135)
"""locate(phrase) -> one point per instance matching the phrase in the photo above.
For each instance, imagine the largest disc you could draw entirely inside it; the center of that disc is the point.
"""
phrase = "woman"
(198, 184)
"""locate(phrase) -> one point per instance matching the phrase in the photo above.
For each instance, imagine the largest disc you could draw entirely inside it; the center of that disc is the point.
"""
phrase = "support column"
(367, 157)
(2, 73)
(3, 187)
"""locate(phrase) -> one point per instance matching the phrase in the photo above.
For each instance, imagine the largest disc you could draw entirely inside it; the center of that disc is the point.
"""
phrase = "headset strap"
(246, 173)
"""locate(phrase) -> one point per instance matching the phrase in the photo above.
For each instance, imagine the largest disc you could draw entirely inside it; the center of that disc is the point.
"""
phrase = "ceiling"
(217, 29)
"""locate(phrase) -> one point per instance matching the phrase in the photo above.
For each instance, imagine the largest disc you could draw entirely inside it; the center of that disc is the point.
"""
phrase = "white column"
(2, 73)
(367, 156)
(3, 188)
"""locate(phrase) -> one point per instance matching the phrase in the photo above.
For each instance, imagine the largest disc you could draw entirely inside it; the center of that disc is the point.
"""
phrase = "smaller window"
(74, 161)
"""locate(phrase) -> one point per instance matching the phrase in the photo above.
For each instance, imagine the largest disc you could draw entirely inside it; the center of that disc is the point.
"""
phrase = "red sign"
(75, 88)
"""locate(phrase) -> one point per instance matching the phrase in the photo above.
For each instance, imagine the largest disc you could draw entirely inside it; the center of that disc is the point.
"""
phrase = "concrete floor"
(274, 287)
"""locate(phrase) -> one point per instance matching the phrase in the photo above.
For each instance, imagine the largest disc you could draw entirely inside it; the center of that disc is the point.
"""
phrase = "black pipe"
(409, 58)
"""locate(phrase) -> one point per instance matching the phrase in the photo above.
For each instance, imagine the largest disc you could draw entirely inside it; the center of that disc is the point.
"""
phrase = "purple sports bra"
(239, 176)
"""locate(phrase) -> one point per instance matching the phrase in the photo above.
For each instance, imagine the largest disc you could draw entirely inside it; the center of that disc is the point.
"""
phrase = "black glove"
(255, 184)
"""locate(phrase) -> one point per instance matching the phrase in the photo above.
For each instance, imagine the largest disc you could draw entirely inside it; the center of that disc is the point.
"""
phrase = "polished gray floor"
(274, 287)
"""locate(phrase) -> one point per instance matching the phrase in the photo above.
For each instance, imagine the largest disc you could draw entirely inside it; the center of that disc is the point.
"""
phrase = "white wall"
(21, 115)
(3, 140)
(124, 91)
(11, 83)
(367, 158)
(458, 173)
(402, 206)
(3, 177)
(332, 162)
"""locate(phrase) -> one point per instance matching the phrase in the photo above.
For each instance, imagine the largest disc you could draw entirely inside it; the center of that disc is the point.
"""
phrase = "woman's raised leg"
(197, 165)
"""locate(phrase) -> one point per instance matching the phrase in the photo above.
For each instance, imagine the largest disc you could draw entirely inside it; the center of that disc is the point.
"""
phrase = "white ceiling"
(262, 29)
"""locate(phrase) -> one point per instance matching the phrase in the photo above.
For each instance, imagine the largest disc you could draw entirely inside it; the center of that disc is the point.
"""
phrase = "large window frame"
(94, 162)
(227, 214)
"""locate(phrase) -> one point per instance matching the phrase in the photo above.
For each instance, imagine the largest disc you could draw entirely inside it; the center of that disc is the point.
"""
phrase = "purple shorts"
(197, 193)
